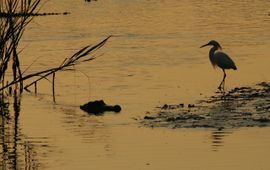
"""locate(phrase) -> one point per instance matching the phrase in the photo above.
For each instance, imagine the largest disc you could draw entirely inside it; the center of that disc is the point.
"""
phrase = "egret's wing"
(224, 61)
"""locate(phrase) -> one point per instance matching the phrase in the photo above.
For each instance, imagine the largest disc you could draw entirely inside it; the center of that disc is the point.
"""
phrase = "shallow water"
(153, 58)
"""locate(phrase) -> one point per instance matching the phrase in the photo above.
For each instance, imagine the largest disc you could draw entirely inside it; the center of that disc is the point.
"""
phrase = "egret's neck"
(211, 53)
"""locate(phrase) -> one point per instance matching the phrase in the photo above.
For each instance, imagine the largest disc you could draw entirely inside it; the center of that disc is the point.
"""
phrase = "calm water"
(153, 58)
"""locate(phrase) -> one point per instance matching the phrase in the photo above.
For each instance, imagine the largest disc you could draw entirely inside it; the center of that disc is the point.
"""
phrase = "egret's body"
(220, 59)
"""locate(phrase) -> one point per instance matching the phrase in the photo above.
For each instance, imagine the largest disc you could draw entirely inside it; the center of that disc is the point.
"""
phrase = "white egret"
(220, 59)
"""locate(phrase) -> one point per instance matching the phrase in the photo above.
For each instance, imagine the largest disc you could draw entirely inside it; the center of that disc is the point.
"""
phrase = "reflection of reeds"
(16, 151)
(12, 29)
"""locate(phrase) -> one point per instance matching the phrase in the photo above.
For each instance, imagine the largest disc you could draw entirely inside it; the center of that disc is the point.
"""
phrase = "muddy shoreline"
(240, 107)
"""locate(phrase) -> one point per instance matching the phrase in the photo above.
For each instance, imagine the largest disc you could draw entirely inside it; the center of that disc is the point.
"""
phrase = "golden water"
(153, 58)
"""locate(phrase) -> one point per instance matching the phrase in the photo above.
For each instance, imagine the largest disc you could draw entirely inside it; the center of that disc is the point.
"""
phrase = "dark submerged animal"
(99, 107)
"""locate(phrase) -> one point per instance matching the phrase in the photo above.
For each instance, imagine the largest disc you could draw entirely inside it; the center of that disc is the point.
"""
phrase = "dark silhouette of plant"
(14, 17)
(12, 29)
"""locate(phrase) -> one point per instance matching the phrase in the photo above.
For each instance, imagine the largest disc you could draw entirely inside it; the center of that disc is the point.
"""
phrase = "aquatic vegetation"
(12, 29)
(76, 58)
(14, 17)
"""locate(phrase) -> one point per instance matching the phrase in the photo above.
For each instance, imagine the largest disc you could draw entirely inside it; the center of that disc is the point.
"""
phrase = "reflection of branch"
(68, 62)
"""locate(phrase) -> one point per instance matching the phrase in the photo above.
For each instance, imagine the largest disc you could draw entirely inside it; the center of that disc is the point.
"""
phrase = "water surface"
(153, 58)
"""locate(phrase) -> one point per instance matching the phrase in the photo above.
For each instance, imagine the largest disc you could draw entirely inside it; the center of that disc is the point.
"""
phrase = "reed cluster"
(11, 30)
(15, 15)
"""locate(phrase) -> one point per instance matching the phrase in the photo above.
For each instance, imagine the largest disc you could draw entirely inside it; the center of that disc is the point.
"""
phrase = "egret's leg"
(222, 84)
(224, 77)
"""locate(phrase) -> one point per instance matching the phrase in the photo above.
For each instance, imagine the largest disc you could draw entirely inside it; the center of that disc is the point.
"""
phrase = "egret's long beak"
(204, 45)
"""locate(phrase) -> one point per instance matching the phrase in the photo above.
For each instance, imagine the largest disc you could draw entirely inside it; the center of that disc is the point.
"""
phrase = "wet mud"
(239, 107)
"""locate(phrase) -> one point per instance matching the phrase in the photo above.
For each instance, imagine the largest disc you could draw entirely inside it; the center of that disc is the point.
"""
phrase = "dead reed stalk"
(78, 57)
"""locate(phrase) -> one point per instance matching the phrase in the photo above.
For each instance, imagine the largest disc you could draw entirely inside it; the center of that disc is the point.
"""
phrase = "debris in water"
(149, 117)
(191, 105)
(172, 106)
